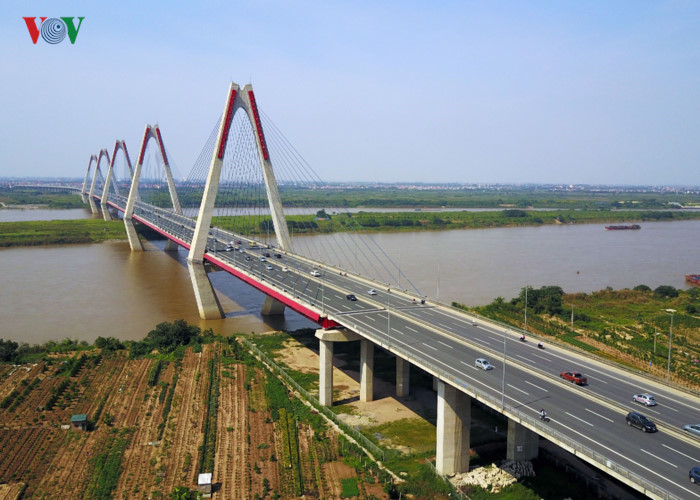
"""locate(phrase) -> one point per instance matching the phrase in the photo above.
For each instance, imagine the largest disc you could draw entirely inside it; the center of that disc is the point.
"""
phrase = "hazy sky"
(432, 91)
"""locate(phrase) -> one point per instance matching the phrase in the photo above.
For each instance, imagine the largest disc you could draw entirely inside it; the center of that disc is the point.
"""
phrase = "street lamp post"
(525, 307)
(670, 340)
(503, 382)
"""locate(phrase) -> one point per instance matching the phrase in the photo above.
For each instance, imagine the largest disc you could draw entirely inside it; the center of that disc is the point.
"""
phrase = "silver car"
(646, 399)
(483, 364)
(692, 428)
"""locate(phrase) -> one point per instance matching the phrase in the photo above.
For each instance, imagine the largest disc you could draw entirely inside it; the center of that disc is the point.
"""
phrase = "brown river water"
(86, 291)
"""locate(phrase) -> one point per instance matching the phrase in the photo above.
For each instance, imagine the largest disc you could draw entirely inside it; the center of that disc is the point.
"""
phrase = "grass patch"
(416, 431)
(349, 488)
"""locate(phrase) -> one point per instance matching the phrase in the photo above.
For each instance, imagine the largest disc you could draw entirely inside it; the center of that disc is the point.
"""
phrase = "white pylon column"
(402, 377)
(134, 241)
(366, 371)
(87, 175)
(93, 207)
(110, 173)
(273, 194)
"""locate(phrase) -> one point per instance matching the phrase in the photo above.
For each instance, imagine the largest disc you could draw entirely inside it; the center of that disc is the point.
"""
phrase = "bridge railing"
(535, 424)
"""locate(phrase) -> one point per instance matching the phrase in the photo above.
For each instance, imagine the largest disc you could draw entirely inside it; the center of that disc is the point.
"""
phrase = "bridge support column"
(325, 383)
(325, 350)
(170, 246)
(435, 383)
(366, 371)
(272, 307)
(402, 377)
(453, 420)
(105, 212)
(207, 301)
(523, 444)
(134, 241)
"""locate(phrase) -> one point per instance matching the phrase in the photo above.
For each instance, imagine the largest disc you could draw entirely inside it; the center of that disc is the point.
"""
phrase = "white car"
(483, 364)
(372, 291)
(645, 399)
(315, 273)
(285, 269)
(269, 267)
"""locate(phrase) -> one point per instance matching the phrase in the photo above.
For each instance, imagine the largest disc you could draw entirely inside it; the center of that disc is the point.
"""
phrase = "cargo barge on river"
(620, 228)
(693, 279)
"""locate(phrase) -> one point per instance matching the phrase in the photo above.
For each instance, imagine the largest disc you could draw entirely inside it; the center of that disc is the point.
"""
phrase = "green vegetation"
(60, 232)
(432, 221)
(206, 462)
(107, 465)
(29, 196)
(349, 488)
(617, 324)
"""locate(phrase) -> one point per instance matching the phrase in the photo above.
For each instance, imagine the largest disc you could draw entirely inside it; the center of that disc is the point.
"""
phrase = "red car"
(574, 377)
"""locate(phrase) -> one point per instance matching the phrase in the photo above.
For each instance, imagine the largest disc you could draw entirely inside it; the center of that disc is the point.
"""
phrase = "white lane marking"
(526, 359)
(651, 454)
(570, 429)
(537, 386)
(680, 453)
(412, 329)
(542, 357)
(371, 318)
(444, 326)
(446, 345)
(467, 364)
(425, 311)
(481, 341)
(433, 348)
(598, 380)
(599, 415)
(579, 419)
(647, 408)
(518, 389)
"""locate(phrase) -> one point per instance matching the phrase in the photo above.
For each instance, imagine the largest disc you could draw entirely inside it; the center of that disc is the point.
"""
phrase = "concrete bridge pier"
(134, 241)
(325, 350)
(366, 371)
(402, 377)
(171, 246)
(522, 444)
(207, 301)
(272, 307)
(453, 420)
(106, 215)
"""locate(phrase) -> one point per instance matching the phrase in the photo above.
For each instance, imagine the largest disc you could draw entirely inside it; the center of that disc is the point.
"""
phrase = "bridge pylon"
(83, 192)
(151, 132)
(244, 99)
(91, 199)
(119, 144)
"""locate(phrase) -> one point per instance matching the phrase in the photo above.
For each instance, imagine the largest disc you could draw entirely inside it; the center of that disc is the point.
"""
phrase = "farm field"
(155, 423)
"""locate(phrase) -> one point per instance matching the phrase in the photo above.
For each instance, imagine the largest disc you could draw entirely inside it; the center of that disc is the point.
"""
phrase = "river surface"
(85, 291)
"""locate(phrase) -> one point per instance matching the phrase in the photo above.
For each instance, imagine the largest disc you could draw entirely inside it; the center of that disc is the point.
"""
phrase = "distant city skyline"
(418, 92)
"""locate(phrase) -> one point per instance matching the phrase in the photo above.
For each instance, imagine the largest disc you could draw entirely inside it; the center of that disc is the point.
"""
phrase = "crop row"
(206, 462)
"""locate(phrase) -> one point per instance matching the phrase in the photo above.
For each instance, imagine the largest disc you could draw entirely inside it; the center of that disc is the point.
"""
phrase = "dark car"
(351, 297)
(574, 377)
(694, 475)
(278, 255)
(267, 254)
(640, 421)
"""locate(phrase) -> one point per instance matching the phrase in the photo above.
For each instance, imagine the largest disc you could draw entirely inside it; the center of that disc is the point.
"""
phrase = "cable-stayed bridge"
(228, 215)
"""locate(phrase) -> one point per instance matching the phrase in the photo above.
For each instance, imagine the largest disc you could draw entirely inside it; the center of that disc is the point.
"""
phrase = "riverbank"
(630, 327)
(60, 232)
(441, 221)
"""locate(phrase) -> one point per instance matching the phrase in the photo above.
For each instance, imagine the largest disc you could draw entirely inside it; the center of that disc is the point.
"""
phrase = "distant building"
(79, 421)
(204, 483)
